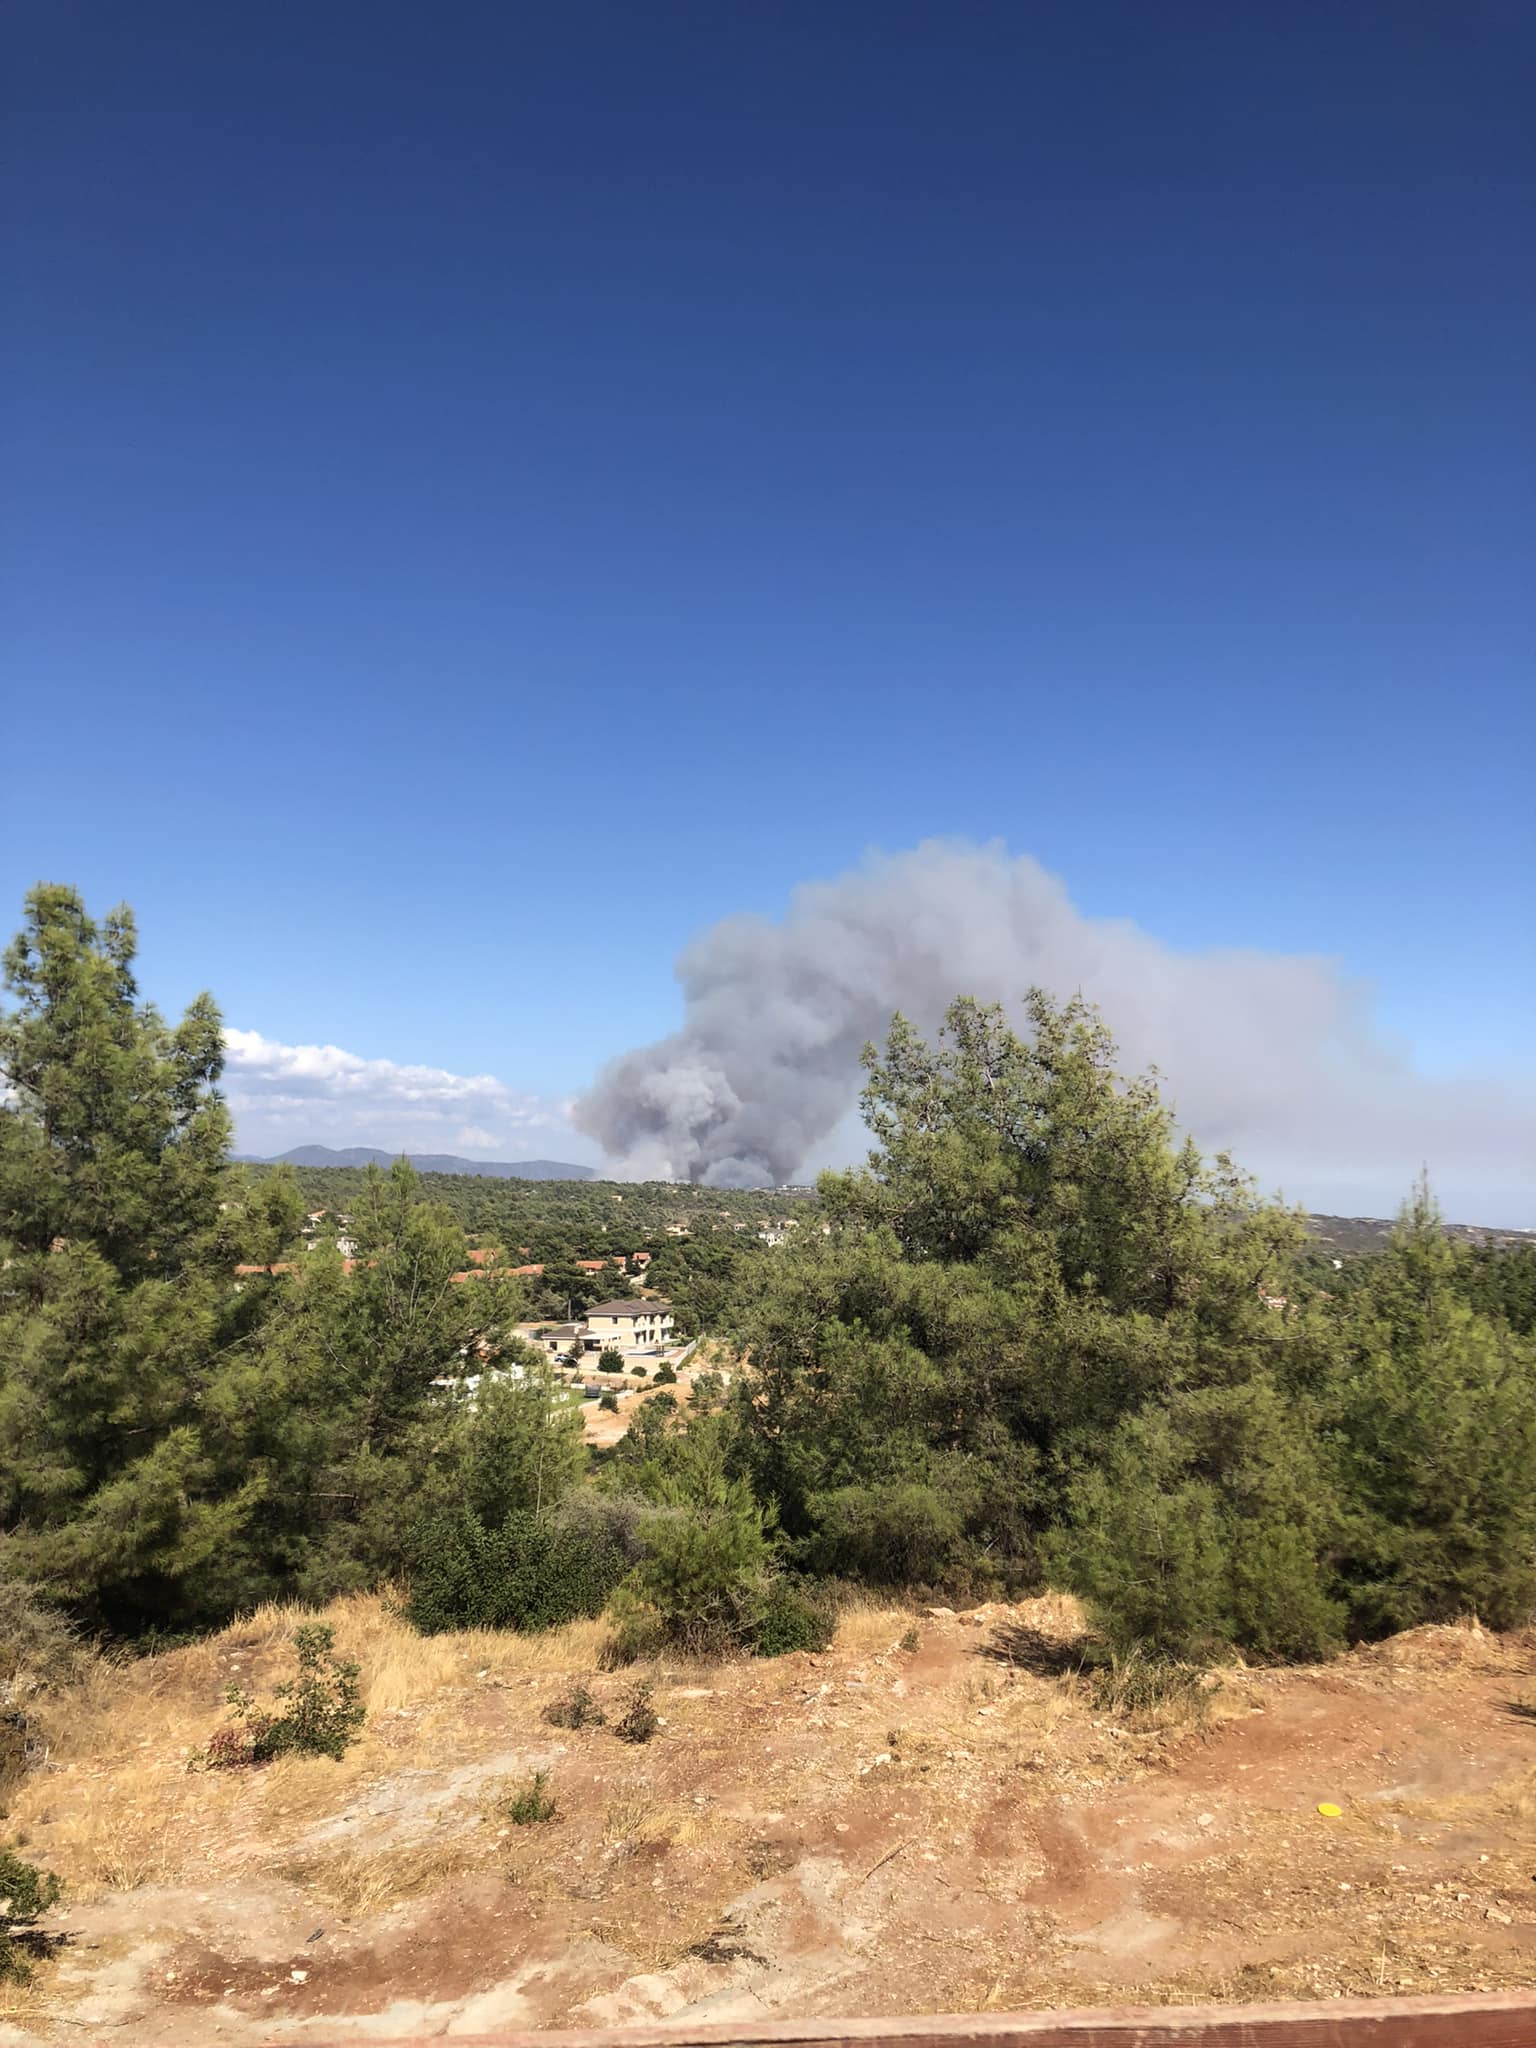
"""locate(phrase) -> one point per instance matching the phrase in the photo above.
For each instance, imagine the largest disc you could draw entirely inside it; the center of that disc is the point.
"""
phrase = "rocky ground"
(921, 1819)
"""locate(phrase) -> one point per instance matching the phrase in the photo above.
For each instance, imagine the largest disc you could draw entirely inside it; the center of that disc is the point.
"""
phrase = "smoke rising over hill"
(1274, 1056)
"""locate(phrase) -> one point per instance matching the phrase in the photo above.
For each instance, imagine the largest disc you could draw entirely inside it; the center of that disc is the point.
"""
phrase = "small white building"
(556, 1340)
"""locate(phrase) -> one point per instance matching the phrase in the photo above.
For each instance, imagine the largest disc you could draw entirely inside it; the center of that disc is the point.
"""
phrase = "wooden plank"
(1501, 2019)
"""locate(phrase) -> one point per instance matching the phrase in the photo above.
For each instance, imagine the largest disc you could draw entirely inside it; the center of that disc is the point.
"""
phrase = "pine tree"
(113, 1299)
(1028, 1258)
(1436, 1420)
(1206, 1520)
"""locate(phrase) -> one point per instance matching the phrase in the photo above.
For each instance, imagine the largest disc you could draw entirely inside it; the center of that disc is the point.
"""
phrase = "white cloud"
(286, 1095)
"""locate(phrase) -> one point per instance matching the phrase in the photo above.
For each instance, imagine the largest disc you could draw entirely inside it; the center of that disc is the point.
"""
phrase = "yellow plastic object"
(1328, 1810)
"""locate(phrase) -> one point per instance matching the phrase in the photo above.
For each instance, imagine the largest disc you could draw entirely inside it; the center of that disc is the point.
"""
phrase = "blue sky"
(491, 491)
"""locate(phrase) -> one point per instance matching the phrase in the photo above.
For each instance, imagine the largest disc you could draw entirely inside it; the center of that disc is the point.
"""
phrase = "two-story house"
(631, 1325)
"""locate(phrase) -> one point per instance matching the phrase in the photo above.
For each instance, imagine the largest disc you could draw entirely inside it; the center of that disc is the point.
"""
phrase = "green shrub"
(910, 1640)
(1150, 1692)
(25, 1892)
(706, 1557)
(666, 1374)
(532, 1573)
(788, 1620)
(636, 1634)
(610, 1359)
(1205, 1523)
(639, 1720)
(575, 1709)
(322, 1707)
(1435, 1429)
(319, 1712)
(608, 1400)
(532, 1805)
(897, 1535)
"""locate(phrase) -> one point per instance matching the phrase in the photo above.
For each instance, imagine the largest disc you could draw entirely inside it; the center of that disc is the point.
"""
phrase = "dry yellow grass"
(122, 1811)
(21, 2004)
(868, 1628)
(638, 1816)
(403, 1669)
(363, 1881)
(121, 1833)
(1520, 1798)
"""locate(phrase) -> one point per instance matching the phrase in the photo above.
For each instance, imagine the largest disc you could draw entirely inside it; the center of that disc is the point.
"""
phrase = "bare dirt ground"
(603, 1426)
(877, 1830)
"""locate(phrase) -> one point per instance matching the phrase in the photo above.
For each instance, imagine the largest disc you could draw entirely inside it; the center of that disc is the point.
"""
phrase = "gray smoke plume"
(1273, 1056)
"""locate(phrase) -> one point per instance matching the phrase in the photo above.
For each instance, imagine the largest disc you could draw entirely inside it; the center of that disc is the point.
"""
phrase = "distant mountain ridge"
(1346, 1234)
(1373, 1233)
(430, 1162)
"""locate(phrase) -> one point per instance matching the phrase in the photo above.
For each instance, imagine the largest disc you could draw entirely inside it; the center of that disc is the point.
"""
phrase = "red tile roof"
(477, 1272)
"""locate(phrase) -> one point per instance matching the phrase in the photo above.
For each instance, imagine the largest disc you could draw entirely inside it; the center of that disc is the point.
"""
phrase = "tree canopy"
(1037, 1338)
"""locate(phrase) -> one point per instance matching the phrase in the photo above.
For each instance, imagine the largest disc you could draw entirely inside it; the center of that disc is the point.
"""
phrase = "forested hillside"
(699, 1246)
(551, 1219)
(429, 1162)
(1036, 1341)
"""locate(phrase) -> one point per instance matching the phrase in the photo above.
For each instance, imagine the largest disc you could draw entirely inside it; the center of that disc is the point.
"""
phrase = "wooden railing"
(1500, 2019)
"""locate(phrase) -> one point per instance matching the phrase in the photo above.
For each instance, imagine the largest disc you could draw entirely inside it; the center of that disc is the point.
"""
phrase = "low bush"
(317, 1713)
(611, 1522)
(25, 1892)
(1150, 1692)
(698, 1587)
(608, 1400)
(575, 1709)
(636, 1635)
(230, 1748)
(639, 1720)
(789, 1620)
(533, 1805)
(666, 1374)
